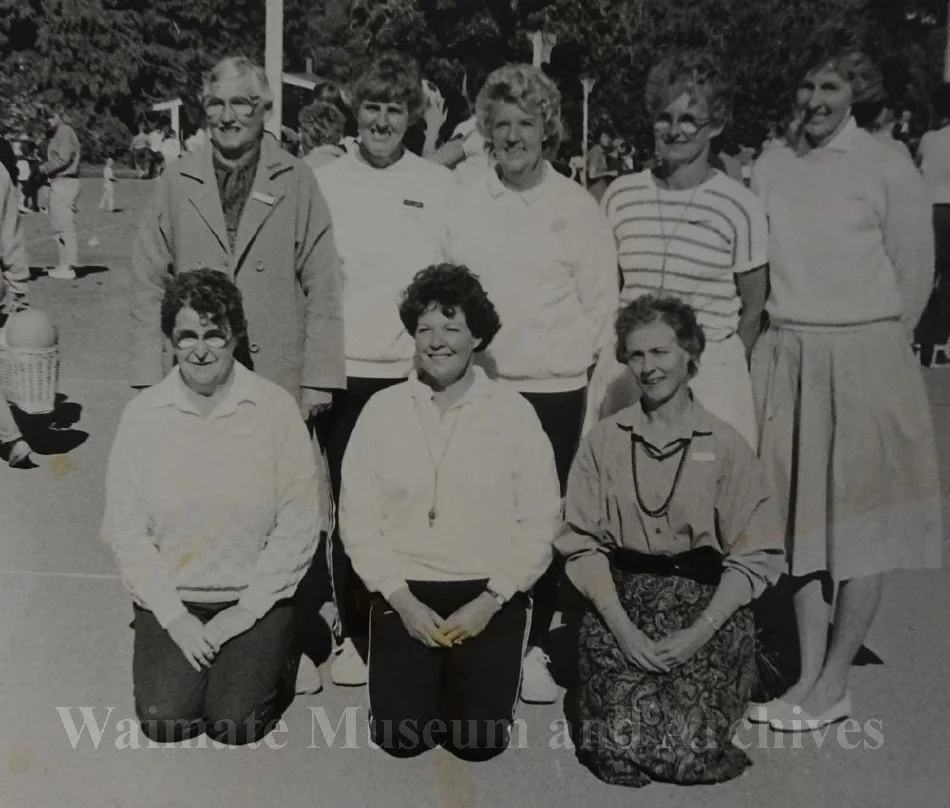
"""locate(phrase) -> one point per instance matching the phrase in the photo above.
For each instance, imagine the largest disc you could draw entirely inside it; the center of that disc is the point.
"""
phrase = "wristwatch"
(499, 599)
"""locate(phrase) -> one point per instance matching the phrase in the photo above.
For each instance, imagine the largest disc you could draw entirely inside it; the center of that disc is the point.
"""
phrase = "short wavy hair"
(848, 51)
(695, 72)
(238, 66)
(452, 288)
(531, 90)
(211, 294)
(678, 315)
(321, 124)
(390, 76)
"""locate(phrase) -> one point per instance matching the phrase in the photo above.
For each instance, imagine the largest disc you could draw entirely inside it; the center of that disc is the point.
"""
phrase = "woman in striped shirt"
(686, 229)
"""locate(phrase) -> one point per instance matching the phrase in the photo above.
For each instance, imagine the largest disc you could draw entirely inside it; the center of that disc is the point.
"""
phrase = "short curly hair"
(531, 90)
(211, 294)
(390, 76)
(848, 51)
(452, 288)
(679, 316)
(695, 72)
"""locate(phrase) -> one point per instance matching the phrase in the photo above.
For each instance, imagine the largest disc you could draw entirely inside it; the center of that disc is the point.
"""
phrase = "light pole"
(274, 61)
(588, 84)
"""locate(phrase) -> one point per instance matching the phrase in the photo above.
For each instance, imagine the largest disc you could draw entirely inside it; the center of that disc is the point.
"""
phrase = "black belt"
(703, 565)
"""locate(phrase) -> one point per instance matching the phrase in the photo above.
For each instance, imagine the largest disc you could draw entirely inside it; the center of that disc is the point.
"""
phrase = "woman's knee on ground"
(169, 723)
(407, 737)
(478, 739)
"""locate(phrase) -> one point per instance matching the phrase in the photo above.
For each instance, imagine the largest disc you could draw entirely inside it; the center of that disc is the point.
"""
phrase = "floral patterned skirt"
(634, 726)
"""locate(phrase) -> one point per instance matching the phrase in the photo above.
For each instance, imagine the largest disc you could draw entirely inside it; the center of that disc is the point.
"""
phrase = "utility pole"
(274, 61)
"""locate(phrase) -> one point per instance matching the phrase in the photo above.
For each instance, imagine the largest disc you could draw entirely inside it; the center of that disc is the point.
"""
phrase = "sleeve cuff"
(388, 586)
(503, 585)
(167, 612)
(256, 602)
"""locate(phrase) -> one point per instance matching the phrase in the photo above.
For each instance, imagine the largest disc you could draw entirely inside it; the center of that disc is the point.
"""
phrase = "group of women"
(474, 314)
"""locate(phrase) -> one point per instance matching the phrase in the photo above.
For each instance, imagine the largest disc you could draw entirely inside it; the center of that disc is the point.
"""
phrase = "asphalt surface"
(65, 643)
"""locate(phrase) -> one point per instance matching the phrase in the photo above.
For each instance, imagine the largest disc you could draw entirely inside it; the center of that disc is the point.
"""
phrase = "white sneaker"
(348, 669)
(537, 686)
(308, 677)
(62, 273)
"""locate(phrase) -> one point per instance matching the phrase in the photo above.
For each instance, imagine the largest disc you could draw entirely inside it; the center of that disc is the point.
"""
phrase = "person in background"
(547, 259)
(14, 272)
(321, 130)
(686, 229)
(670, 531)
(876, 116)
(213, 513)
(108, 186)
(140, 151)
(933, 331)
(600, 172)
(465, 152)
(448, 509)
(155, 139)
(171, 148)
(388, 207)
(845, 432)
(62, 169)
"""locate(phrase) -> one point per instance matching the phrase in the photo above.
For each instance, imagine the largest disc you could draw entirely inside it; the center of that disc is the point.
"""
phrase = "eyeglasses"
(688, 125)
(241, 107)
(187, 340)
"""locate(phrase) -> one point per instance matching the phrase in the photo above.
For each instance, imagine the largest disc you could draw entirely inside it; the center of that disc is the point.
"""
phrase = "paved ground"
(65, 643)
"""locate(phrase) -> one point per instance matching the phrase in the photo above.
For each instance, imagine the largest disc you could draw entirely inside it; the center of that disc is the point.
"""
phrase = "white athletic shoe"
(537, 685)
(348, 669)
(62, 273)
(308, 677)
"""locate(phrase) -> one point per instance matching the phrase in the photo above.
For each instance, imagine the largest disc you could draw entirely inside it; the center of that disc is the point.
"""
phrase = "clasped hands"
(432, 630)
(200, 642)
(662, 655)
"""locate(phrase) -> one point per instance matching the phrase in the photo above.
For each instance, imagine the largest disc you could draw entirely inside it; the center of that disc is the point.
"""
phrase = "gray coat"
(284, 263)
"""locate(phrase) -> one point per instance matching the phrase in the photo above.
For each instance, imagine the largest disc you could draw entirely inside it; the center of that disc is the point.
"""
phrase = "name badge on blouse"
(260, 196)
(704, 457)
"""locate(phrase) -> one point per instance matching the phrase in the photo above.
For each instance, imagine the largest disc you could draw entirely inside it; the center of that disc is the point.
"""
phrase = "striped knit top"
(688, 243)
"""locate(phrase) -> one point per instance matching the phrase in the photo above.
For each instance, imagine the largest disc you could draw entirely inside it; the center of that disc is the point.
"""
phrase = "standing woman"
(546, 257)
(934, 157)
(687, 229)
(846, 434)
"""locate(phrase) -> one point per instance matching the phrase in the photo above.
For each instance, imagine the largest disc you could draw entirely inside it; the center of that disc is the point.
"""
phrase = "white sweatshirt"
(497, 499)
(547, 260)
(387, 224)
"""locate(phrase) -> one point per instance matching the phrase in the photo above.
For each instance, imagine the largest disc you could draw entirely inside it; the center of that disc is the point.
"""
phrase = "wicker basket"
(30, 377)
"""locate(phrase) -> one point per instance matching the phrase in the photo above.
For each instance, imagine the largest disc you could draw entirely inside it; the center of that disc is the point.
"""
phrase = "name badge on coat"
(260, 196)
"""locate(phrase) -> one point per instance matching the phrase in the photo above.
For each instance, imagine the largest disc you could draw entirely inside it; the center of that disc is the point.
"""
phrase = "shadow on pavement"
(53, 433)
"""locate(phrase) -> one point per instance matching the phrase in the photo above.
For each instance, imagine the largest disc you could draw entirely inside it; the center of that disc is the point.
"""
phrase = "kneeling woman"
(448, 510)
(212, 511)
(670, 532)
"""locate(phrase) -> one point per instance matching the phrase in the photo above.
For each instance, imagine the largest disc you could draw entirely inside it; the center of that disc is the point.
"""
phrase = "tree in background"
(109, 60)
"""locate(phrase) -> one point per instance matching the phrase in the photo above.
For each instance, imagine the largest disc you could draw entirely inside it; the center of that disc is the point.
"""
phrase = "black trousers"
(934, 326)
(461, 698)
(237, 700)
(334, 428)
(561, 416)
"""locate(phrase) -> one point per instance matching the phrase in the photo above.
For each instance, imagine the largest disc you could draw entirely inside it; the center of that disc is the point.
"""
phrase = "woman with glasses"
(213, 513)
(846, 433)
(687, 229)
(670, 532)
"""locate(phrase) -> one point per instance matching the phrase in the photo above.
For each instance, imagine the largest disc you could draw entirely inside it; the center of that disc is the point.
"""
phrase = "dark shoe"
(16, 452)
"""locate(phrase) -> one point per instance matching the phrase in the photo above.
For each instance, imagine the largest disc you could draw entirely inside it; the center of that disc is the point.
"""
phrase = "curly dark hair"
(667, 309)
(452, 288)
(210, 293)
